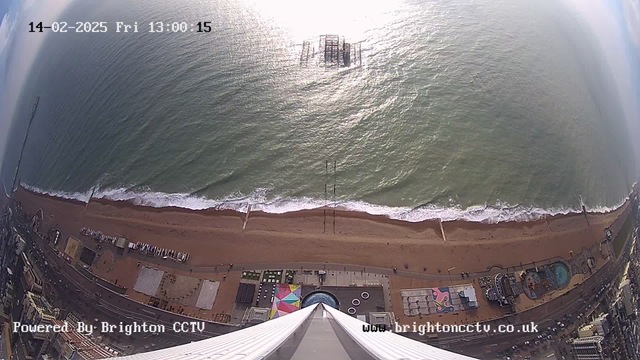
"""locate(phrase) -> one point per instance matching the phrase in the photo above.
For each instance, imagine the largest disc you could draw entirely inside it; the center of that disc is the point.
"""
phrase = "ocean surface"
(484, 110)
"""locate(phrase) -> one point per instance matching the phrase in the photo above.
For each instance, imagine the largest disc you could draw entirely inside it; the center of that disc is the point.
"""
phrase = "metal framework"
(333, 53)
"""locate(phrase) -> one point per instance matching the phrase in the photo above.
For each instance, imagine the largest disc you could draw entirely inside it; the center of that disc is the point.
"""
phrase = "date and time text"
(122, 27)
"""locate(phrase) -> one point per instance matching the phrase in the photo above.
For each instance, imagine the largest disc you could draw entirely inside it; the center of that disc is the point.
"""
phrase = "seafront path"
(544, 315)
(225, 268)
(123, 306)
(472, 344)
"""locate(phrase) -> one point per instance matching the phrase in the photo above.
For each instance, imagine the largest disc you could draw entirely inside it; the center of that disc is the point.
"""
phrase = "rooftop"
(256, 314)
(85, 347)
(40, 303)
(588, 339)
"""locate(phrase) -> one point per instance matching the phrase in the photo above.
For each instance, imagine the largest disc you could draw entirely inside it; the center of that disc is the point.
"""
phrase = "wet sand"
(215, 237)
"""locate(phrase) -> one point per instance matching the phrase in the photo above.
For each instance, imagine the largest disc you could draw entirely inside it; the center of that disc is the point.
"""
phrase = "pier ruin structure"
(333, 52)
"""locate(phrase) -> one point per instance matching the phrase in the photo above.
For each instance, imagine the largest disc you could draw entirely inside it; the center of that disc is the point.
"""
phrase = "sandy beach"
(215, 237)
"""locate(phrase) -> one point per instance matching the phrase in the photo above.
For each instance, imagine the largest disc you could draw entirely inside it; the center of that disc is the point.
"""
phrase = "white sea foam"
(500, 212)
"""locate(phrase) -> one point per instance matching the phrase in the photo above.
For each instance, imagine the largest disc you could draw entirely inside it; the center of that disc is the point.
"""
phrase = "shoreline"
(214, 237)
(412, 255)
(539, 215)
(318, 212)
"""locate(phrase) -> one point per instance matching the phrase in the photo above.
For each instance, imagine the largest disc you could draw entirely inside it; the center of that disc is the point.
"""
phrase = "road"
(120, 308)
(87, 296)
(475, 345)
(544, 315)
(578, 300)
(330, 266)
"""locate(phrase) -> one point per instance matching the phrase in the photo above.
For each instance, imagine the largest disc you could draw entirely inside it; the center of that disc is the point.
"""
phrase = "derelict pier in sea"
(333, 52)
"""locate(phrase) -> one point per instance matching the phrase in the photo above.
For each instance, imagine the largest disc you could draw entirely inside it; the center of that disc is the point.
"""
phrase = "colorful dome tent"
(286, 299)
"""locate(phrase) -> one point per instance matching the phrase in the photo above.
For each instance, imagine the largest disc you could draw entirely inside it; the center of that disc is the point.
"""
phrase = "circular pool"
(561, 272)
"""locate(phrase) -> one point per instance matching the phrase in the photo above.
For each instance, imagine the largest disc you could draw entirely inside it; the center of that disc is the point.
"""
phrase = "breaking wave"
(500, 212)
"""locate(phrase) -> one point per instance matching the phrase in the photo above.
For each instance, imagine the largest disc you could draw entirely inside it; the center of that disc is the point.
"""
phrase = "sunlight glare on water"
(303, 20)
(483, 109)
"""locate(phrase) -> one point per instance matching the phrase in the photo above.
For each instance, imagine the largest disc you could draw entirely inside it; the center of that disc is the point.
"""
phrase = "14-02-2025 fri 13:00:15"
(122, 27)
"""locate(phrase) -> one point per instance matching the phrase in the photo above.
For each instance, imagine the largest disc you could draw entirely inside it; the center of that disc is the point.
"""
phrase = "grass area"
(624, 234)
(272, 276)
(251, 275)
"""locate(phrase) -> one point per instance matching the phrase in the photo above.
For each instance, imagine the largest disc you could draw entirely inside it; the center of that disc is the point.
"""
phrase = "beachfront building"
(73, 345)
(619, 327)
(598, 326)
(502, 288)
(31, 277)
(624, 319)
(316, 332)
(588, 348)
(440, 300)
(256, 315)
(36, 220)
(37, 311)
(601, 325)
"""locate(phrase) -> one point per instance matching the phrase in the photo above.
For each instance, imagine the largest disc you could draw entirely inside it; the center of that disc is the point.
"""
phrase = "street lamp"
(449, 271)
